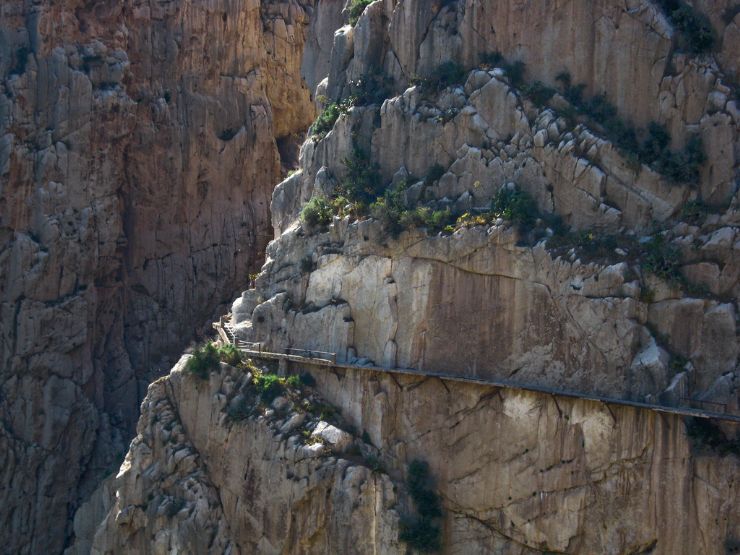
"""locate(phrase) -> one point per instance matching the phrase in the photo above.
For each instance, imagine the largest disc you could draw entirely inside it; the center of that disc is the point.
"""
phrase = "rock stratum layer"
(617, 132)
(139, 144)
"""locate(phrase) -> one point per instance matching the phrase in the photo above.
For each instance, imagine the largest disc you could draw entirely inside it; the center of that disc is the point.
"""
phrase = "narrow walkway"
(320, 358)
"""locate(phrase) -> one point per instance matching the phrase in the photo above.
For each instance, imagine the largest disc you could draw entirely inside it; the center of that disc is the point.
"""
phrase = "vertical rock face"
(270, 491)
(138, 145)
(486, 299)
(518, 473)
(138, 150)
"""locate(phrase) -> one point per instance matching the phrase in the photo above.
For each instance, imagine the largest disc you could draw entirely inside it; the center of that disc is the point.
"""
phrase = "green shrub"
(307, 379)
(269, 386)
(239, 411)
(293, 381)
(694, 212)
(516, 206)
(205, 359)
(696, 33)
(435, 174)
(662, 259)
(363, 182)
(230, 354)
(538, 92)
(515, 73)
(421, 534)
(707, 435)
(374, 463)
(372, 88)
(596, 244)
(422, 531)
(654, 150)
(356, 7)
(491, 59)
(683, 166)
(386, 211)
(443, 76)
(433, 221)
(328, 117)
(317, 212)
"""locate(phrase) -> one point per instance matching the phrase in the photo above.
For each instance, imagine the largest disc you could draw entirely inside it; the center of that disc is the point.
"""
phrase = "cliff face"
(517, 473)
(270, 491)
(619, 289)
(540, 192)
(138, 150)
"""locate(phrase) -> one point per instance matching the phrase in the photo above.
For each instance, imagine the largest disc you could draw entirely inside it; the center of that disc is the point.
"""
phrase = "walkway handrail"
(323, 355)
(489, 382)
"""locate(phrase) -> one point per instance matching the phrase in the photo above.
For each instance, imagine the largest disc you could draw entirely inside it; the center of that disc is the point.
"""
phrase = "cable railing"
(323, 358)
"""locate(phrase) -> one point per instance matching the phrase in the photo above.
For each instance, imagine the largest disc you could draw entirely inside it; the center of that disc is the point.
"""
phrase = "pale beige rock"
(516, 472)
(178, 490)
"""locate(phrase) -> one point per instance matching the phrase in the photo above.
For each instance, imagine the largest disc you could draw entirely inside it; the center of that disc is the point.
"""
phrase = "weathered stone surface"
(517, 473)
(138, 150)
(193, 481)
(524, 473)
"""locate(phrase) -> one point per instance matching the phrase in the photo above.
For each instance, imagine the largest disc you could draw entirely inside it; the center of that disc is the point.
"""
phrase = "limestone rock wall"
(138, 149)
(490, 300)
(524, 473)
(195, 481)
(622, 48)
(486, 301)
(517, 473)
(208, 98)
(476, 303)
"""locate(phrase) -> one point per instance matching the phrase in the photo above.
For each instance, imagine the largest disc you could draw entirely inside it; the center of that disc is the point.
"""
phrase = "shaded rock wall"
(517, 473)
(137, 156)
(196, 481)
(523, 473)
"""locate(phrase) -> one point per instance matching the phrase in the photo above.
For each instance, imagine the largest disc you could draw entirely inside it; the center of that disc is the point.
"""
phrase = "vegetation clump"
(706, 435)
(328, 117)
(695, 31)
(443, 76)
(391, 209)
(317, 212)
(206, 358)
(694, 212)
(650, 146)
(539, 93)
(654, 150)
(268, 386)
(355, 9)
(422, 531)
(435, 174)
(663, 260)
(372, 88)
(515, 205)
(363, 182)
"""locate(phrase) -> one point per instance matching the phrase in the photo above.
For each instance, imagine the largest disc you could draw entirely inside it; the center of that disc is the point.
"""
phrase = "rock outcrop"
(539, 192)
(211, 471)
(517, 473)
(139, 144)
(484, 298)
